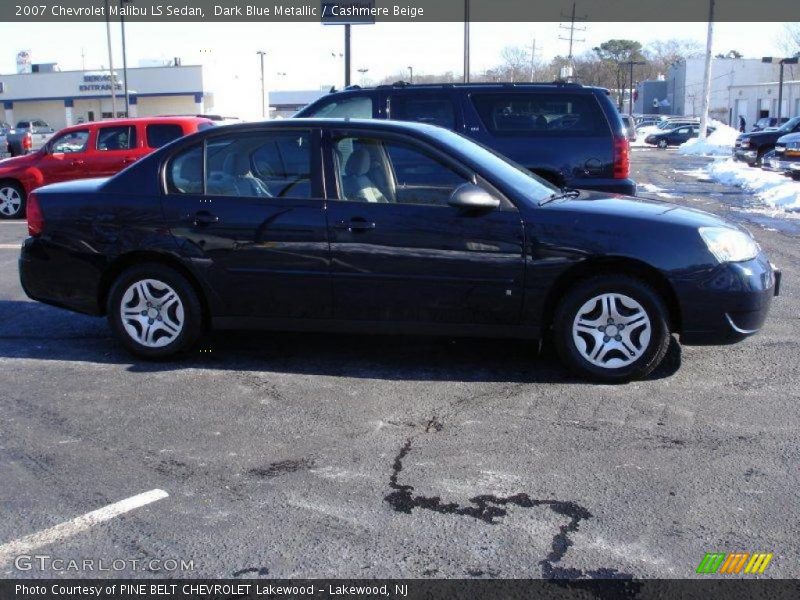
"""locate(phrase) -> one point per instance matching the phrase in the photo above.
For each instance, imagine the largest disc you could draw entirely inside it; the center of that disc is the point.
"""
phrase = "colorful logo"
(734, 563)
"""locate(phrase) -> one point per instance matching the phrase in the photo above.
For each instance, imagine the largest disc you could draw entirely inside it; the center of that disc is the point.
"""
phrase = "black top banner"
(370, 11)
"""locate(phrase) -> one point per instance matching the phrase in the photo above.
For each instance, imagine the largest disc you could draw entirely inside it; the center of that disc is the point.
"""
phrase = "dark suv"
(567, 133)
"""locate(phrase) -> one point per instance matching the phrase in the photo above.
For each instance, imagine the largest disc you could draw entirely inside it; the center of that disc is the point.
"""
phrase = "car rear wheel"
(662, 144)
(612, 328)
(12, 200)
(154, 311)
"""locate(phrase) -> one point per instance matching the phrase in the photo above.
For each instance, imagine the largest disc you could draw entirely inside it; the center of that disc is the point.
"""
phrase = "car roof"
(490, 86)
(376, 124)
(134, 120)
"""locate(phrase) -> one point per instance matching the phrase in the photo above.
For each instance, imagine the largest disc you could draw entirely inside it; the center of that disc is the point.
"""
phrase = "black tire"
(795, 175)
(7, 187)
(192, 312)
(586, 290)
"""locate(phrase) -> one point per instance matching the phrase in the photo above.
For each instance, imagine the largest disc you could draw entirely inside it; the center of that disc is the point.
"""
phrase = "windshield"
(513, 175)
(790, 124)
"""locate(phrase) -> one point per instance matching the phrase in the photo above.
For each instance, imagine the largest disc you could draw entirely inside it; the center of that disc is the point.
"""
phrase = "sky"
(308, 55)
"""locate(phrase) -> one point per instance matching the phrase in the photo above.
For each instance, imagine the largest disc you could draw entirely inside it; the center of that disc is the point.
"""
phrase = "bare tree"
(790, 42)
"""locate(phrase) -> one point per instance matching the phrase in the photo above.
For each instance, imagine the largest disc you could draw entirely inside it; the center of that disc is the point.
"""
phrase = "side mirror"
(472, 197)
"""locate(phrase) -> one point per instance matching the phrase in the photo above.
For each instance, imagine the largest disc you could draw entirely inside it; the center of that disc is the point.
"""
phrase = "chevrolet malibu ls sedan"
(381, 226)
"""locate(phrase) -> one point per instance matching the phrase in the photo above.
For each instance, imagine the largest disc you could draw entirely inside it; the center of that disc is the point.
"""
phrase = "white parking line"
(69, 528)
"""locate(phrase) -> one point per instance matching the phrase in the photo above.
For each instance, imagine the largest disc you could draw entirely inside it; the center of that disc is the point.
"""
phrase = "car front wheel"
(12, 200)
(154, 311)
(612, 328)
(662, 144)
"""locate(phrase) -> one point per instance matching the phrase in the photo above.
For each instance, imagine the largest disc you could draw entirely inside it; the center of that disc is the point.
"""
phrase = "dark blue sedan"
(380, 226)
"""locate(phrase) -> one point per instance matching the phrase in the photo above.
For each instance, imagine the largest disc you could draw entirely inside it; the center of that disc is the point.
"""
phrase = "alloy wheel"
(10, 201)
(152, 313)
(611, 330)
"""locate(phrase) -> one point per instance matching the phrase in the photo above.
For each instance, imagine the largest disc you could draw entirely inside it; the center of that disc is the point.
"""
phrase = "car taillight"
(35, 216)
(27, 141)
(622, 158)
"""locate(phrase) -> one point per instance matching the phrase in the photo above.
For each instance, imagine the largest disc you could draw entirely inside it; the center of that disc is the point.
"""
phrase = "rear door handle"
(128, 160)
(355, 224)
(204, 218)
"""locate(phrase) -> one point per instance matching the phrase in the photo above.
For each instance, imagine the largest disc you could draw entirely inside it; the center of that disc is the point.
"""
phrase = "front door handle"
(204, 218)
(77, 163)
(128, 160)
(355, 224)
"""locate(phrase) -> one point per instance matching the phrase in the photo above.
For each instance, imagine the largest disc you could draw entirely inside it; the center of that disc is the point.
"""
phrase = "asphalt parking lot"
(300, 455)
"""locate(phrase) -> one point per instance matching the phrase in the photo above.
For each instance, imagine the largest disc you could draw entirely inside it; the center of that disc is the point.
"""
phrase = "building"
(761, 100)
(685, 84)
(285, 104)
(651, 96)
(64, 98)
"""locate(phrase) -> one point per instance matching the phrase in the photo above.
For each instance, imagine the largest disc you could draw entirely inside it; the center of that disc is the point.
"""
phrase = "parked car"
(630, 127)
(28, 136)
(647, 120)
(751, 147)
(765, 123)
(675, 137)
(96, 149)
(785, 157)
(385, 226)
(4, 153)
(566, 133)
(669, 124)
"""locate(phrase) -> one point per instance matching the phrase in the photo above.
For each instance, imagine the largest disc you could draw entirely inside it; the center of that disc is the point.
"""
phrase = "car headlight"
(729, 245)
(745, 143)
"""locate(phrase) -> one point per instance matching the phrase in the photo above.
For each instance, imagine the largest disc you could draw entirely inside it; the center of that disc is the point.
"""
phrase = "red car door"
(65, 156)
(114, 148)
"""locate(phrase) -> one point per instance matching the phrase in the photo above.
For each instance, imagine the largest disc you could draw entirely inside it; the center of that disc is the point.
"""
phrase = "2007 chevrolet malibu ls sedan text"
(380, 226)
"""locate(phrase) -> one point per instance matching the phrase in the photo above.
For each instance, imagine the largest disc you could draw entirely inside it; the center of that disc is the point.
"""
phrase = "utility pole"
(466, 41)
(706, 97)
(124, 57)
(261, 54)
(111, 64)
(572, 29)
(410, 74)
(346, 54)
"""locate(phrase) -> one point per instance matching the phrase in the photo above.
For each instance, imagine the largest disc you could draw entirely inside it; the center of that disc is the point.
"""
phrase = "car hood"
(638, 209)
(17, 162)
(762, 135)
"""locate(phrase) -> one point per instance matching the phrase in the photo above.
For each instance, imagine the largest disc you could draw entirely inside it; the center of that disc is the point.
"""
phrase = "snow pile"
(773, 189)
(719, 143)
(643, 132)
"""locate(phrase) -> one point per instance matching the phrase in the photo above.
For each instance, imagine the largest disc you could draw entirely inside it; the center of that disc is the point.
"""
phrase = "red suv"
(97, 149)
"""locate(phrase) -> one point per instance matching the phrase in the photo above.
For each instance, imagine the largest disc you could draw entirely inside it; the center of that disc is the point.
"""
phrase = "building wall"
(165, 105)
(648, 91)
(755, 101)
(51, 111)
(685, 83)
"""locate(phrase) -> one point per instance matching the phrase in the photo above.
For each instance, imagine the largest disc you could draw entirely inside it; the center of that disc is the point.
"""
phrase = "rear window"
(352, 107)
(436, 109)
(162, 134)
(541, 114)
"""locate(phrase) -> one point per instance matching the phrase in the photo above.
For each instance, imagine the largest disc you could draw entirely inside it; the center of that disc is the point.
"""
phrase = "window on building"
(71, 142)
(116, 138)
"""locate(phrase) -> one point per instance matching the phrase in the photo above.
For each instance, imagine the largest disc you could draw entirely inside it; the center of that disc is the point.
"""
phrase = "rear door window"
(161, 134)
(550, 114)
(436, 109)
(116, 138)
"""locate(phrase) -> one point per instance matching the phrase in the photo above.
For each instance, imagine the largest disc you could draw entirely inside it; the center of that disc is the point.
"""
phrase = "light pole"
(781, 61)
(410, 74)
(363, 72)
(631, 63)
(466, 41)
(111, 64)
(124, 56)
(261, 54)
